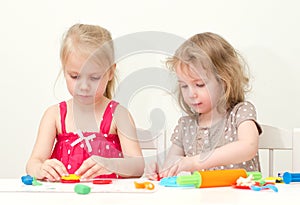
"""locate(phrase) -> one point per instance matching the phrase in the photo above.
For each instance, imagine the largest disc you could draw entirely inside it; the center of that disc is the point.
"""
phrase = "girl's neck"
(209, 119)
(99, 105)
(86, 117)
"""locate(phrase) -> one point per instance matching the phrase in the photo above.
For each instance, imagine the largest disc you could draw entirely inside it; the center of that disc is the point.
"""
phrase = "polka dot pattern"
(195, 140)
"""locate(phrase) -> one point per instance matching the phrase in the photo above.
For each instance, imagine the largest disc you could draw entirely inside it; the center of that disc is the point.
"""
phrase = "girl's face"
(200, 91)
(86, 82)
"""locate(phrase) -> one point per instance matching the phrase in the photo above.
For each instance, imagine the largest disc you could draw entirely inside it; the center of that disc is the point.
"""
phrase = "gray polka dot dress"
(195, 140)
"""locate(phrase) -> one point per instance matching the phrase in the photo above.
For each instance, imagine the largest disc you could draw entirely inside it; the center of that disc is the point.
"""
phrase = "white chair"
(283, 149)
(153, 145)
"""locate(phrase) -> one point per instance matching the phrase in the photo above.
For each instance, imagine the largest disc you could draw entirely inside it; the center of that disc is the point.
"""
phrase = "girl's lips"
(84, 96)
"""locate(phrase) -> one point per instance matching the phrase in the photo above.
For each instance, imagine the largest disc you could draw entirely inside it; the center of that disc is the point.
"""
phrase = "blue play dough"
(27, 179)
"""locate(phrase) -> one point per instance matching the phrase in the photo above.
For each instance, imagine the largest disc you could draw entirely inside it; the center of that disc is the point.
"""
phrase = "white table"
(11, 193)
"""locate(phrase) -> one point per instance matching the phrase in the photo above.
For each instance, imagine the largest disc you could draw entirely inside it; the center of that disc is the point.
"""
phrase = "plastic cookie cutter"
(144, 185)
(268, 186)
(72, 178)
(274, 179)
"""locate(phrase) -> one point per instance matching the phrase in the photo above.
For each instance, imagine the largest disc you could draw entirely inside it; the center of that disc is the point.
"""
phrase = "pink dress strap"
(63, 113)
(108, 116)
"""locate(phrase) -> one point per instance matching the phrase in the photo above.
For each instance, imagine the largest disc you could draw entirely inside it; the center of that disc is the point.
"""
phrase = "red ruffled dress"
(73, 148)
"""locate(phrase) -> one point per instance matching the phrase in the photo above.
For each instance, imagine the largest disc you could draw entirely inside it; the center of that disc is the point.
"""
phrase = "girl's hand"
(90, 168)
(182, 164)
(53, 170)
(151, 171)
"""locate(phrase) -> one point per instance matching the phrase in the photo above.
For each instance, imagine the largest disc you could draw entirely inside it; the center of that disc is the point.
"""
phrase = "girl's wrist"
(196, 163)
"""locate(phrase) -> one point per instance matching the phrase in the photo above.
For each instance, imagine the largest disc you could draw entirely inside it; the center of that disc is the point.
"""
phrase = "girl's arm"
(174, 156)
(154, 172)
(39, 165)
(133, 162)
(244, 149)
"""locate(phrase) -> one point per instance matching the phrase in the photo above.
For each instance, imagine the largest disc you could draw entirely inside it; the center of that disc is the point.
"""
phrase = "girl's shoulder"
(120, 110)
(50, 115)
(122, 114)
(52, 110)
(244, 106)
(241, 112)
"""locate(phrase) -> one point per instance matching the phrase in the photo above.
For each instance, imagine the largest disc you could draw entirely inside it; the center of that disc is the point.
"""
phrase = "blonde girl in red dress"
(90, 134)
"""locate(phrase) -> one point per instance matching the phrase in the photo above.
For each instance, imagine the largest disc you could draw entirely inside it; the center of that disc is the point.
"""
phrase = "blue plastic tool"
(268, 186)
(171, 182)
(291, 177)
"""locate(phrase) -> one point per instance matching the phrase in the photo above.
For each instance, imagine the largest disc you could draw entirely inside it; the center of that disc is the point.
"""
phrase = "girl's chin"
(84, 100)
(199, 108)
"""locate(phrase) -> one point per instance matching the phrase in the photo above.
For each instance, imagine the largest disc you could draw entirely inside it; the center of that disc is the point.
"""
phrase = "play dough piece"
(27, 179)
(72, 178)
(82, 189)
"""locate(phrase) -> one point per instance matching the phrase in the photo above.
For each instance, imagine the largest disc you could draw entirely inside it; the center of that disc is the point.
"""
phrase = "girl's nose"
(193, 93)
(83, 84)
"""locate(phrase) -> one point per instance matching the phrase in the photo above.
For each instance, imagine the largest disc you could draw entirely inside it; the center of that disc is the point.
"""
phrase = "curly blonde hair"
(217, 57)
(92, 41)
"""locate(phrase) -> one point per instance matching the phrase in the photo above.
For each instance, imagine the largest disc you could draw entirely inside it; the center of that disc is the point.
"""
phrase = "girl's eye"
(183, 86)
(74, 76)
(95, 78)
(200, 85)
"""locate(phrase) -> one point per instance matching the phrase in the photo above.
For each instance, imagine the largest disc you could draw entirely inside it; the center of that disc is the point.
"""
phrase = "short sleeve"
(246, 111)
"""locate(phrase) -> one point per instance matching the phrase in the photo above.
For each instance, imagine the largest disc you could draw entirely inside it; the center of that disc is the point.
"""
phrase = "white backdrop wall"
(266, 32)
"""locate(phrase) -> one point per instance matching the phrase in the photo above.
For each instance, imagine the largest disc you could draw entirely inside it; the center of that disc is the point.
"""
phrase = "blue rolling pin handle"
(291, 177)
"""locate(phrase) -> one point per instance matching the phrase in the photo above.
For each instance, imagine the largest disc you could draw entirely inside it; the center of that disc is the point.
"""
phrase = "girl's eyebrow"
(72, 72)
(193, 81)
(95, 73)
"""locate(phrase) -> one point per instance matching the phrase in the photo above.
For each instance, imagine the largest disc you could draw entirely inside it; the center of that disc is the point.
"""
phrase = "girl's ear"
(111, 72)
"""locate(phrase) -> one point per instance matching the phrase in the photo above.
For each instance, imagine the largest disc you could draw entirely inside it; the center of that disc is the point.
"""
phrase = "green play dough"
(82, 189)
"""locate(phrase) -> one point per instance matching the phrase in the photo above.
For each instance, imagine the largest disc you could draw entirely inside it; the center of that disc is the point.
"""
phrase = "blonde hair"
(91, 41)
(217, 57)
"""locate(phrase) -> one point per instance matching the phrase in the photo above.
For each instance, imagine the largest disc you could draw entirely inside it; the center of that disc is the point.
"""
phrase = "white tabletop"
(13, 191)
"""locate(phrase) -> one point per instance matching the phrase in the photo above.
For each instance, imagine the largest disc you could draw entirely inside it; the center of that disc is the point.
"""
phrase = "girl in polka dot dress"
(90, 134)
(220, 130)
